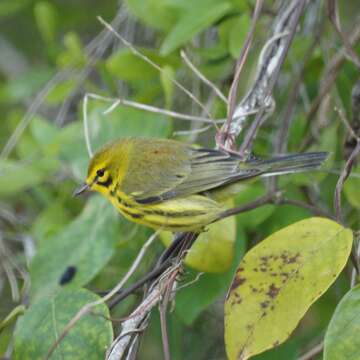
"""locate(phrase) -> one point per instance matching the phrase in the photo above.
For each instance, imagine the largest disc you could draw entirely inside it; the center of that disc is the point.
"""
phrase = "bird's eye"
(100, 172)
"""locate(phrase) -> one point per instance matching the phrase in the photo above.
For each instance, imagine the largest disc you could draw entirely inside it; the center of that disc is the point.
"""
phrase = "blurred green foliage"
(43, 230)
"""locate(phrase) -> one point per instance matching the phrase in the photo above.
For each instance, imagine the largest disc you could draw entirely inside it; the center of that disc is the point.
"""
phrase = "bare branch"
(224, 136)
(139, 315)
(276, 198)
(270, 69)
(259, 96)
(168, 294)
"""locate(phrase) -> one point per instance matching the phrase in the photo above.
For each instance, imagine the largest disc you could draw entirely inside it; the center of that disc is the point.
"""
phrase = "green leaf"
(196, 17)
(129, 67)
(342, 337)
(238, 34)
(50, 222)
(74, 55)
(166, 75)
(45, 16)
(8, 7)
(28, 84)
(159, 14)
(295, 265)
(16, 176)
(86, 243)
(43, 322)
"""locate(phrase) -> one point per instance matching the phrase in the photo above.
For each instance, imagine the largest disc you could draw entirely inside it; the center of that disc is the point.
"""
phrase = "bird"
(170, 185)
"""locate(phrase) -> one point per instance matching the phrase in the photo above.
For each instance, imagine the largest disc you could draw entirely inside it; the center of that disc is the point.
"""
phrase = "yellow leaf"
(278, 280)
(213, 251)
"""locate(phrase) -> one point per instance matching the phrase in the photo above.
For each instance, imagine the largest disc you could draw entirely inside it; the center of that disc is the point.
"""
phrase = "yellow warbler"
(175, 186)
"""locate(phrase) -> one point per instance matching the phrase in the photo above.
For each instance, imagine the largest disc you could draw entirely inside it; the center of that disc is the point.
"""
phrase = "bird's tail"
(285, 164)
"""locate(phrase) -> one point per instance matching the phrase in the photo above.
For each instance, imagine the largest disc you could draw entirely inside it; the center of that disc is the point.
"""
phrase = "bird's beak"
(81, 189)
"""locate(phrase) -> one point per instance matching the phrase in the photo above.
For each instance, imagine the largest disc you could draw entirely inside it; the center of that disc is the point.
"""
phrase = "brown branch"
(223, 136)
(276, 199)
(354, 153)
(281, 49)
(168, 293)
(153, 297)
(343, 176)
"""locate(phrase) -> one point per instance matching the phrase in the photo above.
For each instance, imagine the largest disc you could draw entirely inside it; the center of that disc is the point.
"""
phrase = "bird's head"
(105, 168)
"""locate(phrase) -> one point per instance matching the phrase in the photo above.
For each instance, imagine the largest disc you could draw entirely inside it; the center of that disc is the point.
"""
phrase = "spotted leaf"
(278, 280)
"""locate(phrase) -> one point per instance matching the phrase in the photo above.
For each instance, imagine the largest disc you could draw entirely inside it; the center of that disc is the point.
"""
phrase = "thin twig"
(312, 208)
(335, 20)
(202, 77)
(340, 184)
(170, 113)
(346, 123)
(316, 350)
(118, 101)
(273, 198)
(156, 66)
(263, 200)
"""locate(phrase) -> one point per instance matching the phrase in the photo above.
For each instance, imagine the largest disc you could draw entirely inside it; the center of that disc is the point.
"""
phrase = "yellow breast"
(191, 213)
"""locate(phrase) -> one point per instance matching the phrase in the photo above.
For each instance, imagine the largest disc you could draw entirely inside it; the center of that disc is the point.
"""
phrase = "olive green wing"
(209, 169)
(166, 169)
(179, 170)
(155, 166)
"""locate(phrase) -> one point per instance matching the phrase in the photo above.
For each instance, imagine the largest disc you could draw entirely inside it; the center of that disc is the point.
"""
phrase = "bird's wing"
(183, 171)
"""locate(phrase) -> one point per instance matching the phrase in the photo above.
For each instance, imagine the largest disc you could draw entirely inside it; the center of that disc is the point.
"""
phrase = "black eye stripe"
(105, 183)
